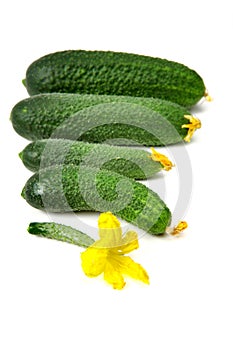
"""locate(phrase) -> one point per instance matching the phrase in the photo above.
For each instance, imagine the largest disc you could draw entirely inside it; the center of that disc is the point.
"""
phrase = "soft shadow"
(200, 107)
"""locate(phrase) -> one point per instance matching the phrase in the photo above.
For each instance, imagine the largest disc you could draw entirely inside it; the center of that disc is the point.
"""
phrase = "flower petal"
(195, 123)
(127, 266)
(158, 157)
(128, 243)
(110, 237)
(94, 261)
(108, 220)
(110, 231)
(113, 276)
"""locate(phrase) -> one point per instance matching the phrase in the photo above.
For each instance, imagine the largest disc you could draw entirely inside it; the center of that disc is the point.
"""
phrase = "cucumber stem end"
(208, 97)
(24, 82)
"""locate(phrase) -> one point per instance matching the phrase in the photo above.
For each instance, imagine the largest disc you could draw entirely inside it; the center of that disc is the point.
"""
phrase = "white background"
(46, 302)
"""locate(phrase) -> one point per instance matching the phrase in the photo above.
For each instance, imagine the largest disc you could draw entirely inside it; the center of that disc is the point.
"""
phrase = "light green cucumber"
(60, 232)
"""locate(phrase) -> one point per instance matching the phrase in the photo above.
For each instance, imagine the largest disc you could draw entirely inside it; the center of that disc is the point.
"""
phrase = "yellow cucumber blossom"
(158, 157)
(106, 255)
(175, 231)
(195, 123)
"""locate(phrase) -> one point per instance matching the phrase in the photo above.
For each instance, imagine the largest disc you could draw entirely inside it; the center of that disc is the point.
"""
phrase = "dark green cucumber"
(71, 188)
(134, 163)
(60, 233)
(114, 73)
(92, 118)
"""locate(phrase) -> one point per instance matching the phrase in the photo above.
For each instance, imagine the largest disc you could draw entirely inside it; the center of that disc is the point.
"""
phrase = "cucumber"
(71, 188)
(134, 163)
(114, 73)
(60, 232)
(91, 118)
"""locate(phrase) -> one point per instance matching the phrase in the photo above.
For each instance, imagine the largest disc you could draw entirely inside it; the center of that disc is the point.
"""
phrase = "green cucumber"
(134, 163)
(91, 118)
(60, 232)
(71, 188)
(114, 73)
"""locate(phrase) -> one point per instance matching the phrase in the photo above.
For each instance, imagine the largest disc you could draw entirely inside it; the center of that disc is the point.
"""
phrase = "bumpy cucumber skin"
(39, 117)
(133, 163)
(57, 189)
(114, 73)
(60, 232)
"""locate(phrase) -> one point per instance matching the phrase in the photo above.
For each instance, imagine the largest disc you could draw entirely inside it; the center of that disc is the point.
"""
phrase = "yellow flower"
(195, 123)
(158, 157)
(106, 255)
(175, 231)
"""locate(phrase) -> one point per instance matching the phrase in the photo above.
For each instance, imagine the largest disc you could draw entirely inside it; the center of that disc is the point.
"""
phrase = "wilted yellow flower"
(175, 231)
(207, 96)
(195, 123)
(106, 255)
(158, 157)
